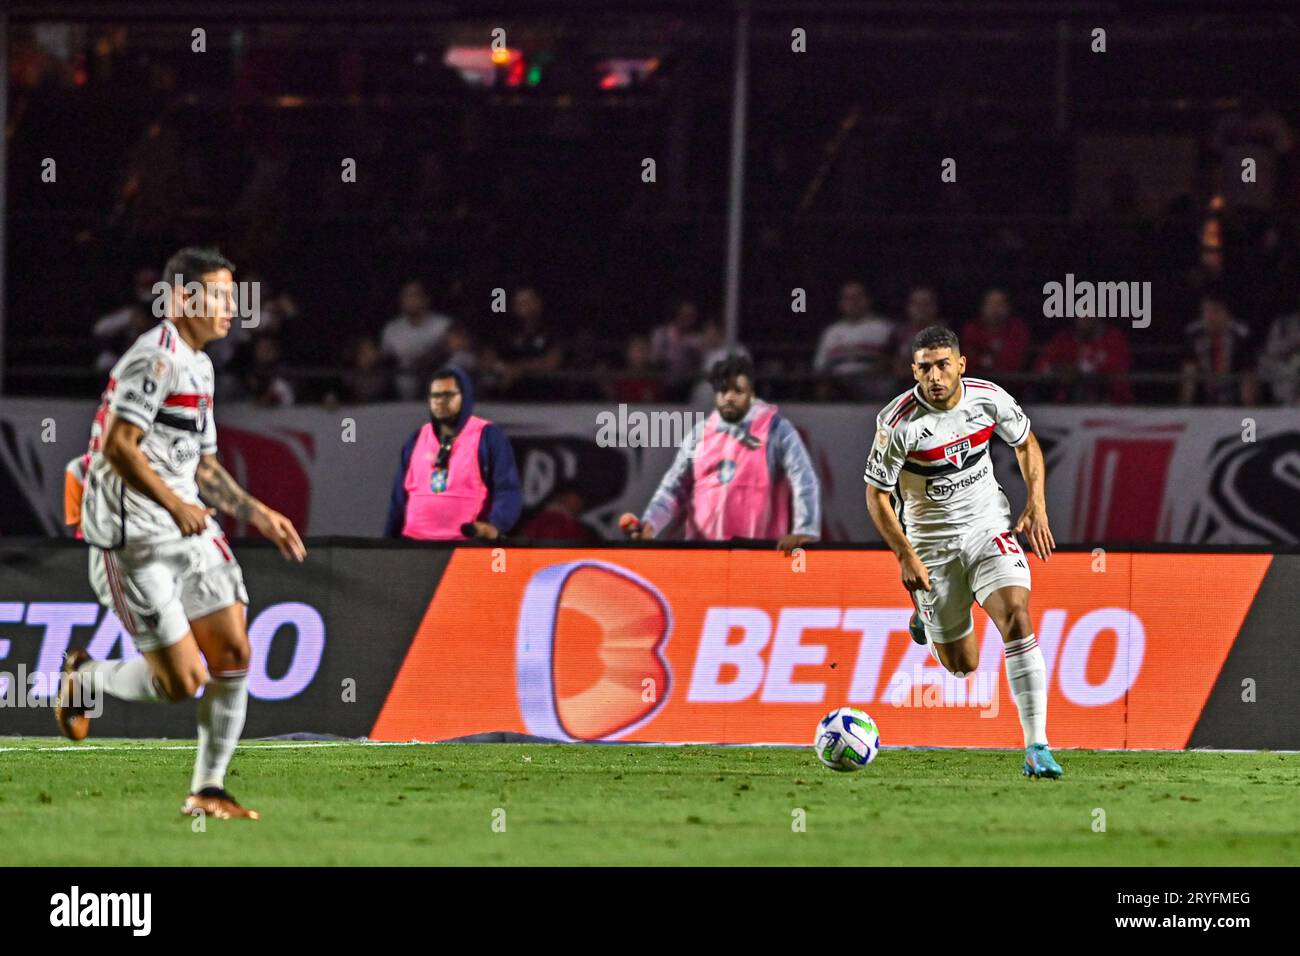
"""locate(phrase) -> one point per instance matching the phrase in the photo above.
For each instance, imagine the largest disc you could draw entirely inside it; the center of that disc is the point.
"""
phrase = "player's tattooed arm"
(221, 491)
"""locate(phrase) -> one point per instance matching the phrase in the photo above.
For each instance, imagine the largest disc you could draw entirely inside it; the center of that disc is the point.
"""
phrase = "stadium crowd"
(526, 181)
(862, 354)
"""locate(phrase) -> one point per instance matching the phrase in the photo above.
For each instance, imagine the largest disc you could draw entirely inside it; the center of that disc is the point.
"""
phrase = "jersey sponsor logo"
(956, 453)
(133, 397)
(938, 489)
(876, 467)
(942, 488)
(181, 450)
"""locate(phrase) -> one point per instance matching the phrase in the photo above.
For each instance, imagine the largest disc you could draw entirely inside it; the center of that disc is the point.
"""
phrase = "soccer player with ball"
(157, 557)
(956, 541)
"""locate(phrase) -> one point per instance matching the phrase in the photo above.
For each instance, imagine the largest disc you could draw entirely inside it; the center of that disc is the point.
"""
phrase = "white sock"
(1027, 675)
(221, 721)
(125, 680)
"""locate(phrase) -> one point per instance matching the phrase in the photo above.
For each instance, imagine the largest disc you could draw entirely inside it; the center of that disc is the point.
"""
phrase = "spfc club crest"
(956, 453)
(726, 471)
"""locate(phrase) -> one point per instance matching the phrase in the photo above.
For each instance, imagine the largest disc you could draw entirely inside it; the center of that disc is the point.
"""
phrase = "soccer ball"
(847, 739)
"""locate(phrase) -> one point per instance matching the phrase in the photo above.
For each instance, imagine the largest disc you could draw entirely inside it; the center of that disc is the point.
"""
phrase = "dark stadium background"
(1172, 448)
(536, 177)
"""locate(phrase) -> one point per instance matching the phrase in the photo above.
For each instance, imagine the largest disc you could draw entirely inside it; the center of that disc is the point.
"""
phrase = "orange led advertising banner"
(722, 646)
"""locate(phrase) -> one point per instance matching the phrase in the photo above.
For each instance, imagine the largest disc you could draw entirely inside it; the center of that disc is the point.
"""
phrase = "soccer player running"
(956, 540)
(157, 556)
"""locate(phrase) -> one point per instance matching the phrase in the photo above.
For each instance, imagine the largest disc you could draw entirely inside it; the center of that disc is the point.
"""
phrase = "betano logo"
(743, 653)
(43, 631)
(597, 671)
(720, 646)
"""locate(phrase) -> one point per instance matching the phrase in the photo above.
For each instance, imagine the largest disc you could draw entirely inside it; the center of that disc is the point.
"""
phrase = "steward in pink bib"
(456, 470)
(734, 494)
(743, 473)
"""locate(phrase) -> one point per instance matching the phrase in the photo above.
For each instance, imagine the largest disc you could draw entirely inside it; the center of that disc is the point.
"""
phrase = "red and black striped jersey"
(938, 463)
(164, 387)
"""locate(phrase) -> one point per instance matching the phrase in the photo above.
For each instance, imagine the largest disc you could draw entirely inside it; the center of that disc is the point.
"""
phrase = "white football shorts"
(969, 568)
(157, 589)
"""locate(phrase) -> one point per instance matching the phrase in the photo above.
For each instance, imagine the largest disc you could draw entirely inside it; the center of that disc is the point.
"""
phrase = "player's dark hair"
(192, 263)
(936, 337)
(730, 368)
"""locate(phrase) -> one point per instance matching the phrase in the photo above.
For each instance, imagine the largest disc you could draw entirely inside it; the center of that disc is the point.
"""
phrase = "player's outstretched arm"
(916, 576)
(122, 449)
(218, 487)
(1033, 520)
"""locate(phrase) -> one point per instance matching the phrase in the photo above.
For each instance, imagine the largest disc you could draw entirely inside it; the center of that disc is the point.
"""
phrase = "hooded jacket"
(496, 462)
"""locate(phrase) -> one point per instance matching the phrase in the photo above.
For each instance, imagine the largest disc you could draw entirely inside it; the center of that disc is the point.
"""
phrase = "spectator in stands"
(1218, 368)
(922, 311)
(855, 353)
(675, 345)
(457, 471)
(264, 380)
(637, 381)
(522, 363)
(996, 342)
(584, 352)
(460, 349)
(561, 518)
(1279, 363)
(365, 379)
(413, 339)
(741, 473)
(1090, 363)
(115, 331)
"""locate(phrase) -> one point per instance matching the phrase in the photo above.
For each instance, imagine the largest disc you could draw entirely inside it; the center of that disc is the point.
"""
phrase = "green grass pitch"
(108, 802)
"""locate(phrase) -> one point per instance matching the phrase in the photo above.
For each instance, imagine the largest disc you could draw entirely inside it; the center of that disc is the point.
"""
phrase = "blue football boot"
(1039, 762)
(916, 629)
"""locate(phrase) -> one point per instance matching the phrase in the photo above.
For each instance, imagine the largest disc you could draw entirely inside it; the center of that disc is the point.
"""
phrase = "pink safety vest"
(734, 494)
(433, 515)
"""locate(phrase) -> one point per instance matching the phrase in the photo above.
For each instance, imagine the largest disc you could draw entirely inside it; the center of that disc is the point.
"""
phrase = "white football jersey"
(164, 387)
(940, 463)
